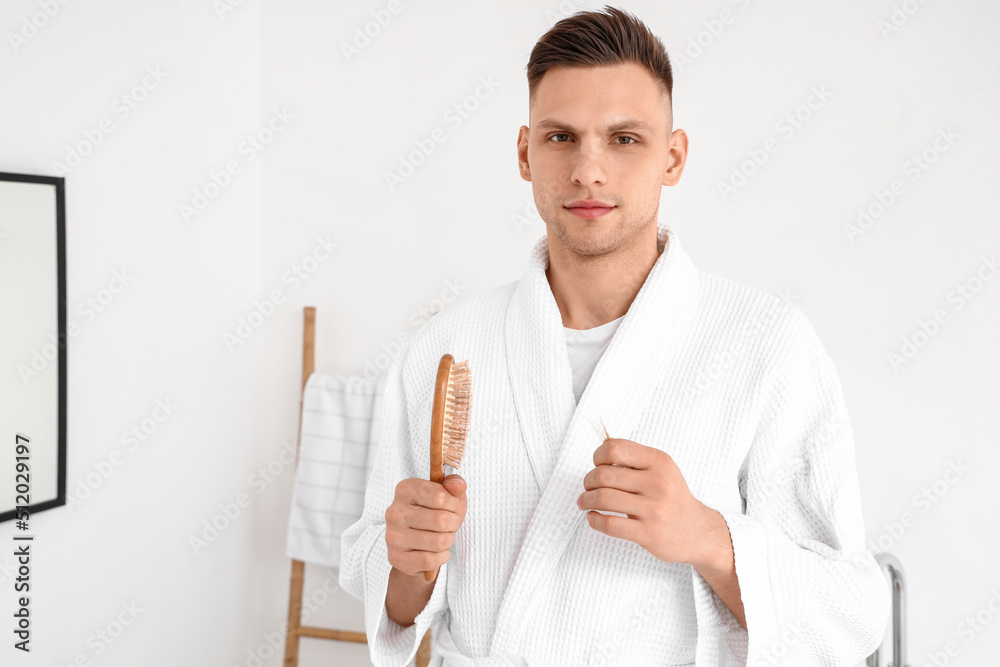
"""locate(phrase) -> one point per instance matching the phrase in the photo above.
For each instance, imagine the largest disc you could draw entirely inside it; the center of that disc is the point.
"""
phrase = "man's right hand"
(421, 523)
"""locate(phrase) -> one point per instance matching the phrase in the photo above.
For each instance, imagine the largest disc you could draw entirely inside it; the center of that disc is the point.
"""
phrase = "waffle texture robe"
(731, 382)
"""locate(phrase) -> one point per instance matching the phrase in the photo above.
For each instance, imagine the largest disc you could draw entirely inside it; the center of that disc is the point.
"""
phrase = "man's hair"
(596, 39)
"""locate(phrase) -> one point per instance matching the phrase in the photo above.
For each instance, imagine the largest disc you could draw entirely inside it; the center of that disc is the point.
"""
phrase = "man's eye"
(631, 140)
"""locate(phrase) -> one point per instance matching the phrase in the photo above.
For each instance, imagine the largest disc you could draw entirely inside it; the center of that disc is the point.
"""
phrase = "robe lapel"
(561, 436)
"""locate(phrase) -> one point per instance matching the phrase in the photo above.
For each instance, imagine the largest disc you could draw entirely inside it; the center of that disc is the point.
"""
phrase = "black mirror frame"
(59, 183)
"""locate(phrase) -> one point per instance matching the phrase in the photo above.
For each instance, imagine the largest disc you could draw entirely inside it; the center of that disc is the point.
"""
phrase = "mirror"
(32, 344)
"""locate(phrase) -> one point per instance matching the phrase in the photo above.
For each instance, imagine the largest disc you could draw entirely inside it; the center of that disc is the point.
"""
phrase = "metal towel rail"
(894, 569)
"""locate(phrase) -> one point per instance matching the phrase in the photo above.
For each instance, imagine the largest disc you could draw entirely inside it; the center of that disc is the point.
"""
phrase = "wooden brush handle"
(437, 428)
(437, 418)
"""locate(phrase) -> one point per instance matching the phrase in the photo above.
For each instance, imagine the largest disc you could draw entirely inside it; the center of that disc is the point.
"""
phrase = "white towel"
(341, 423)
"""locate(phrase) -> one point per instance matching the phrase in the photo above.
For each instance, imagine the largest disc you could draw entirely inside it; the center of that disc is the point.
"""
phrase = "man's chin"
(586, 238)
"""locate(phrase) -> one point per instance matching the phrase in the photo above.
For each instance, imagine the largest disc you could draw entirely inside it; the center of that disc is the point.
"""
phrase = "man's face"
(604, 134)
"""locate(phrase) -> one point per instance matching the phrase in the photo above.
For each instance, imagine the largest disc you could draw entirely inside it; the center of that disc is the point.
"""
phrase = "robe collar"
(560, 436)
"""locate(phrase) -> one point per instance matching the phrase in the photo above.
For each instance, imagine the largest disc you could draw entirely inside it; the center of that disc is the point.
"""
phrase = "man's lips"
(589, 208)
(589, 203)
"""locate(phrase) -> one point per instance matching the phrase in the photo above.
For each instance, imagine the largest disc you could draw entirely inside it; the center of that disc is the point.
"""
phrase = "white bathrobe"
(731, 382)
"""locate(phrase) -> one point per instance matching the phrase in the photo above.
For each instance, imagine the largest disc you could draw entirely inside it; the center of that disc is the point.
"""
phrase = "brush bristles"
(456, 414)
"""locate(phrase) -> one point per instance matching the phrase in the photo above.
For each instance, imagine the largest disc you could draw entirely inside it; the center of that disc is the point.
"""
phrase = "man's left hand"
(646, 484)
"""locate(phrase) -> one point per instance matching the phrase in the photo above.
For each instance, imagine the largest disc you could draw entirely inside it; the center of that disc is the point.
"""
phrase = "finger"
(431, 541)
(439, 521)
(621, 452)
(615, 526)
(614, 477)
(416, 562)
(434, 496)
(612, 500)
(455, 485)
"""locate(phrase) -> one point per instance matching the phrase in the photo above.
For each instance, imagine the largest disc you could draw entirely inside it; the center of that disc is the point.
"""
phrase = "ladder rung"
(327, 633)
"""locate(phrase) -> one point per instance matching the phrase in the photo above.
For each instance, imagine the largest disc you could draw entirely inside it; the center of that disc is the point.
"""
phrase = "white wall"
(463, 222)
(159, 339)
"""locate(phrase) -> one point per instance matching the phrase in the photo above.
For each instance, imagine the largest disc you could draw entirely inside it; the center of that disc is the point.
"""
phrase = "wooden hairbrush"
(449, 420)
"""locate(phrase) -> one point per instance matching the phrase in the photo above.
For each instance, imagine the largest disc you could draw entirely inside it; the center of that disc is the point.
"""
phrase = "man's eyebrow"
(625, 124)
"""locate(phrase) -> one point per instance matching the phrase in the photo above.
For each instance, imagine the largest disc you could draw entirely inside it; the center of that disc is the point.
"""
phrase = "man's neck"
(591, 291)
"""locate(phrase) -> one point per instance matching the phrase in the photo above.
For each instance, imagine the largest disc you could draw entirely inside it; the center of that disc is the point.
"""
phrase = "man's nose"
(589, 165)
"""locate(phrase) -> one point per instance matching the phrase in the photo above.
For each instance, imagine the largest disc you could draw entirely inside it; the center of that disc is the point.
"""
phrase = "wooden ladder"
(295, 627)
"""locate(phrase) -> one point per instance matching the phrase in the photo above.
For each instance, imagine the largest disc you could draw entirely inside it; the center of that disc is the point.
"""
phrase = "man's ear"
(522, 153)
(676, 157)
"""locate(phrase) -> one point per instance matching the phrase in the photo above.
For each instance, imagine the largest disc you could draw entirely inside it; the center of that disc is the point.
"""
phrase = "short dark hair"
(597, 38)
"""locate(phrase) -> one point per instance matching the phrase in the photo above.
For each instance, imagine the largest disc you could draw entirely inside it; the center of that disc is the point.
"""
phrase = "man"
(660, 465)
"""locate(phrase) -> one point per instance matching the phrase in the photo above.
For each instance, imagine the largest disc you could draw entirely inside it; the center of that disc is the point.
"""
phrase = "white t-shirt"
(585, 347)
